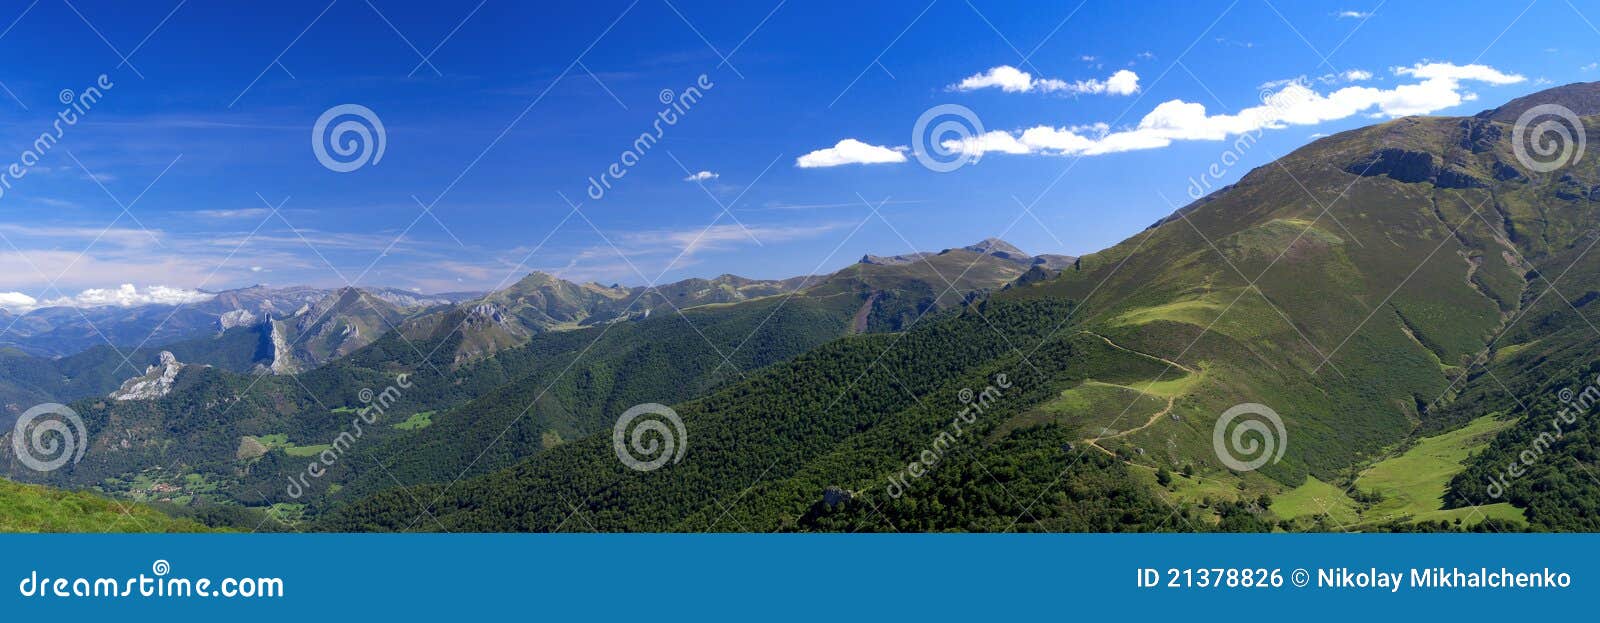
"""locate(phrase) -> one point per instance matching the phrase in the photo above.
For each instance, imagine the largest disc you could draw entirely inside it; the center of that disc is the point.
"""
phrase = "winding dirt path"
(1141, 353)
(1156, 417)
(1148, 423)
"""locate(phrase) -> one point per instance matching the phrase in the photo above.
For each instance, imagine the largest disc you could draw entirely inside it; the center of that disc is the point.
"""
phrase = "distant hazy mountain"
(60, 331)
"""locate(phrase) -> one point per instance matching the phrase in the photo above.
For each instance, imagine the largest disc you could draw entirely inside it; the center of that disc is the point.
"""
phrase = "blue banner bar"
(792, 577)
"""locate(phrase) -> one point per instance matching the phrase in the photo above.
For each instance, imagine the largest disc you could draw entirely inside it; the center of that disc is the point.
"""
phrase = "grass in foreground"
(32, 508)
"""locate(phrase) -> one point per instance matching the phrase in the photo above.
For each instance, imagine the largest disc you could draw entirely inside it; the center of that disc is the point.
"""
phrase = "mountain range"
(1411, 302)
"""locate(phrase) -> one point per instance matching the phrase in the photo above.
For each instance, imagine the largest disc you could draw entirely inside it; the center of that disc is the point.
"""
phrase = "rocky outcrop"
(1479, 135)
(155, 383)
(236, 318)
(283, 361)
(1412, 167)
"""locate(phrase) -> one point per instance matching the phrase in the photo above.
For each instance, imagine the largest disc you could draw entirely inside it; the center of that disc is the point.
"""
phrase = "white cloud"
(1356, 75)
(701, 176)
(1008, 78)
(1013, 80)
(1450, 71)
(1123, 82)
(17, 302)
(129, 296)
(1294, 103)
(1355, 14)
(850, 151)
(124, 296)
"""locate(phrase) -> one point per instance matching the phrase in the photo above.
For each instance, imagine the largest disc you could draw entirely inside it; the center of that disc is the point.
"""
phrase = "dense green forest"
(845, 417)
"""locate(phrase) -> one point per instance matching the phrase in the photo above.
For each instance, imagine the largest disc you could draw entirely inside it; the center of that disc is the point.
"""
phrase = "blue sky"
(208, 128)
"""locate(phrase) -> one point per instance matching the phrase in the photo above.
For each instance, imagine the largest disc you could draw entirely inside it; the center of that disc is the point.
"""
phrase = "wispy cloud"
(1012, 80)
(251, 213)
(701, 176)
(652, 251)
(825, 206)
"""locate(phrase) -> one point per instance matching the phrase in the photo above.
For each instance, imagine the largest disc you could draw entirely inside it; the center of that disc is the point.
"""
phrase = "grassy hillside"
(1406, 488)
(32, 508)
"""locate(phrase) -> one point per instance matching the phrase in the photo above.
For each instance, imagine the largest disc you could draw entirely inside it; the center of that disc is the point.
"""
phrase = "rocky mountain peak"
(156, 381)
(996, 247)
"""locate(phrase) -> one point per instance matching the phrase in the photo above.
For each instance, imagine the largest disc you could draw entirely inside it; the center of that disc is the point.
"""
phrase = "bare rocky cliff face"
(155, 383)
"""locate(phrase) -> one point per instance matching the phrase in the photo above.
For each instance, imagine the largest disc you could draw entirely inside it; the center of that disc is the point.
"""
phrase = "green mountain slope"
(1355, 287)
